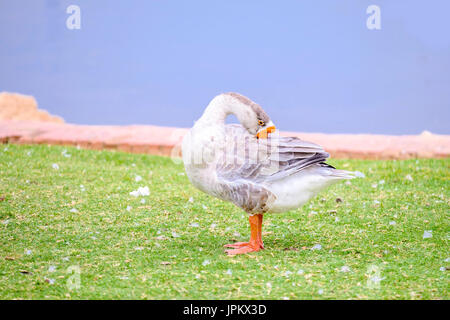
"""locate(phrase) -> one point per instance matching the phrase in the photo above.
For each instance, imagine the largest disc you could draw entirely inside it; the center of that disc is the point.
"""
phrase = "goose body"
(250, 165)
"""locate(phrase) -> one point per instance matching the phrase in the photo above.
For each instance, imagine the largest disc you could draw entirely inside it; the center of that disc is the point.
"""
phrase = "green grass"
(133, 254)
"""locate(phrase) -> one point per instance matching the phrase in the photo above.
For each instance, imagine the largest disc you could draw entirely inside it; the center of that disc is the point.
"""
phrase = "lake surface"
(312, 68)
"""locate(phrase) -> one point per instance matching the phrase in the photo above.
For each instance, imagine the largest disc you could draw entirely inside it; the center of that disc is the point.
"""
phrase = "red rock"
(14, 106)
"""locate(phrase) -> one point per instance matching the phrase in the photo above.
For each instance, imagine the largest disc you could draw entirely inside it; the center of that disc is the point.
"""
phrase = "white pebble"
(206, 262)
(359, 174)
(141, 191)
(345, 269)
(427, 234)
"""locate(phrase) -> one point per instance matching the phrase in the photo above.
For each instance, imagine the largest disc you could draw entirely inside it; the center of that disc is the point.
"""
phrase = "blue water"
(313, 67)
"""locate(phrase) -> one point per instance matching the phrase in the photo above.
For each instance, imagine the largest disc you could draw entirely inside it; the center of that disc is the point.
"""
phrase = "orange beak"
(265, 132)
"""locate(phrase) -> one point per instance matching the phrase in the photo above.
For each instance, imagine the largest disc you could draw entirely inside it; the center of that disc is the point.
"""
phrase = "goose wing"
(248, 165)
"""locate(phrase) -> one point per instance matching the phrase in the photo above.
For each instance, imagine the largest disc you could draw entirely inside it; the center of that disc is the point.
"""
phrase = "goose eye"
(261, 123)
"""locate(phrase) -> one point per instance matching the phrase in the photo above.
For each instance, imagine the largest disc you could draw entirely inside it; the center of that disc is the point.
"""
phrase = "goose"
(251, 165)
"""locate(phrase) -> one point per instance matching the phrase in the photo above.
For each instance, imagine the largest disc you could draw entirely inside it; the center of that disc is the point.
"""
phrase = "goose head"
(250, 114)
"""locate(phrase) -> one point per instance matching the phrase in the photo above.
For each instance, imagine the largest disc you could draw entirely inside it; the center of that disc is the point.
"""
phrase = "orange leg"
(255, 243)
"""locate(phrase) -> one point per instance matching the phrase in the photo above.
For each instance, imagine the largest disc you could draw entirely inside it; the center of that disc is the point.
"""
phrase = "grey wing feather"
(251, 163)
(251, 197)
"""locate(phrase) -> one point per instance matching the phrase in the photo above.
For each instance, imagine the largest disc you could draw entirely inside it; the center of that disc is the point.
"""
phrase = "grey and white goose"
(250, 165)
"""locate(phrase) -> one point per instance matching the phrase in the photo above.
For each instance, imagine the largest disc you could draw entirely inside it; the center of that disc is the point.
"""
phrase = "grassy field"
(70, 229)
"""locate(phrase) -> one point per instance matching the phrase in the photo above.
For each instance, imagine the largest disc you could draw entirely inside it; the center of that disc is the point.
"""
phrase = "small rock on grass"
(141, 191)
(345, 269)
(359, 174)
(206, 262)
(427, 234)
